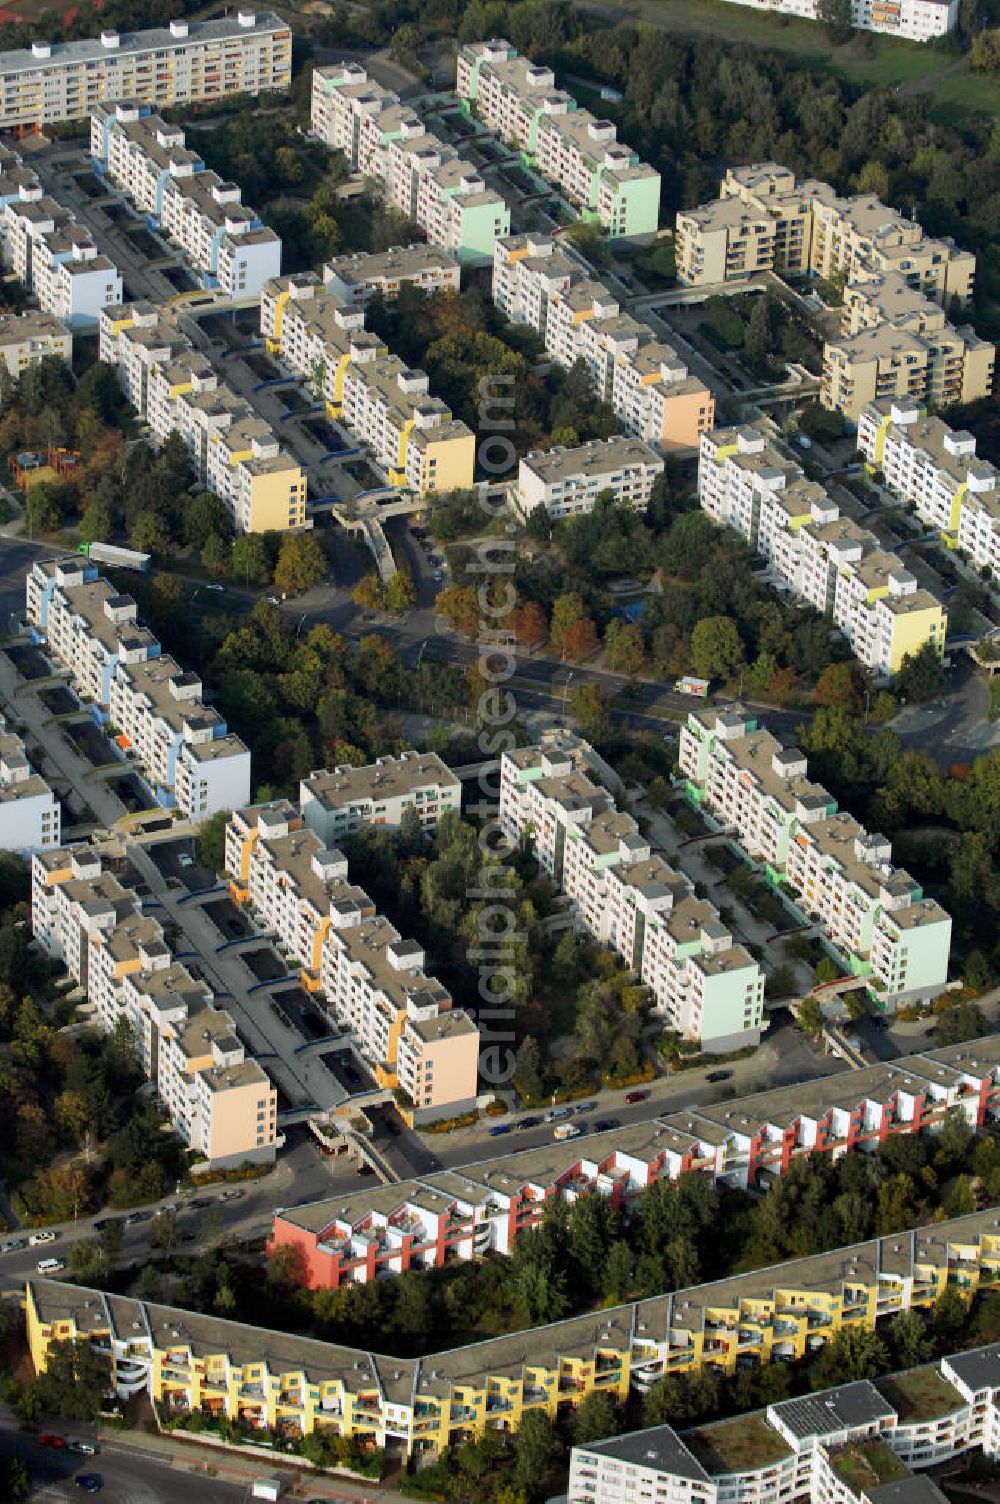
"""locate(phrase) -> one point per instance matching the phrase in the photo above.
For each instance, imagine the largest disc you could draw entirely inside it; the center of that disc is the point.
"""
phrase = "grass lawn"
(867, 60)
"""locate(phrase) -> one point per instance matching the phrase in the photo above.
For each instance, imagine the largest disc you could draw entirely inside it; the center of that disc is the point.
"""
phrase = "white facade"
(827, 560)
(233, 451)
(355, 278)
(934, 469)
(422, 176)
(625, 896)
(47, 250)
(338, 800)
(30, 814)
(222, 239)
(222, 1104)
(915, 20)
(183, 63)
(567, 482)
(182, 746)
(644, 380)
(874, 913)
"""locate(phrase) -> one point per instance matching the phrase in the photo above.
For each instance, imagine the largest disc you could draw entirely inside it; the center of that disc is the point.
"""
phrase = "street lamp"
(569, 680)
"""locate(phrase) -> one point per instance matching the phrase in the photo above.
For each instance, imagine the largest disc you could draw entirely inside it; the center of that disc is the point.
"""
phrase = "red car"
(46, 1439)
(636, 1096)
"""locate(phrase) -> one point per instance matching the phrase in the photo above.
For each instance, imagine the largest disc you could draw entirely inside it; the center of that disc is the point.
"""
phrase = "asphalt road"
(128, 1476)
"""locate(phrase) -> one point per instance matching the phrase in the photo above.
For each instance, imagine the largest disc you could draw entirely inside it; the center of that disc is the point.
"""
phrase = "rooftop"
(132, 42)
(864, 1465)
(737, 1446)
(921, 1394)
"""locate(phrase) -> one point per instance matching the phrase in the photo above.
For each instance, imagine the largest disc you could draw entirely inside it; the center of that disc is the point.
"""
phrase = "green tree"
(838, 17)
(591, 706)
(920, 676)
(251, 562)
(97, 524)
(212, 841)
(15, 1482)
(810, 1017)
(624, 646)
(41, 510)
(149, 533)
(596, 1417)
(204, 515)
(400, 593)
(536, 1451)
(715, 647)
(217, 557)
(369, 593)
(166, 1232)
(75, 1381)
(854, 1353)
(301, 563)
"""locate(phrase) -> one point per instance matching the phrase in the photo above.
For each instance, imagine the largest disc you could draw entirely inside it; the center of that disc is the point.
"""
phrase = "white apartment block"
(47, 250)
(336, 801)
(372, 979)
(644, 380)
(222, 1104)
(233, 451)
(356, 277)
(874, 914)
(183, 63)
(30, 814)
(914, 20)
(26, 338)
(745, 483)
(625, 896)
(182, 746)
(601, 176)
(421, 176)
(567, 482)
(411, 434)
(839, 1446)
(934, 469)
(223, 240)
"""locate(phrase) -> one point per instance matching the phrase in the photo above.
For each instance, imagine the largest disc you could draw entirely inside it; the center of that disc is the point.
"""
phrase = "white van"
(566, 1130)
(50, 1266)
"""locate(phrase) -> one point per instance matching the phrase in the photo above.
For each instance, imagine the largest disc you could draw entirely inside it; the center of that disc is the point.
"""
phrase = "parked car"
(604, 1125)
(528, 1123)
(567, 1130)
(47, 1439)
(50, 1266)
(555, 1113)
(636, 1096)
(233, 1195)
(13, 1244)
(499, 1128)
(215, 587)
(364, 1170)
(582, 1107)
(91, 1483)
(168, 1206)
(106, 1222)
(199, 1202)
(41, 1237)
(134, 1218)
(714, 1076)
(84, 1448)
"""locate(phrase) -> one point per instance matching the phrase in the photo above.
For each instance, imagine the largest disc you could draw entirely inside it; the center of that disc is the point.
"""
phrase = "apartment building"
(705, 986)
(944, 366)
(234, 452)
(646, 383)
(356, 277)
(223, 240)
(26, 338)
(411, 434)
(431, 1220)
(746, 483)
(183, 63)
(567, 482)
(182, 746)
(862, 1443)
(85, 917)
(336, 801)
(156, 713)
(601, 176)
(766, 220)
(30, 813)
(422, 176)
(273, 1380)
(53, 255)
(875, 914)
(914, 20)
(373, 980)
(935, 470)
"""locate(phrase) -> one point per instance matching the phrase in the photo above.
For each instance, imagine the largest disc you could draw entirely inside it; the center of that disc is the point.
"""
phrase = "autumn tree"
(459, 605)
(301, 563)
(528, 624)
(400, 593)
(368, 593)
(623, 646)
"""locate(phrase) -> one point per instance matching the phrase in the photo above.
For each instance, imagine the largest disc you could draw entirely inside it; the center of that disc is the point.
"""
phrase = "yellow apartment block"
(278, 1382)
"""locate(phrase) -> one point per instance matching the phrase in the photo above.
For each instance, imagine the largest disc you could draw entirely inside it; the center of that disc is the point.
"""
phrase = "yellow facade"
(912, 629)
(274, 495)
(781, 1313)
(449, 464)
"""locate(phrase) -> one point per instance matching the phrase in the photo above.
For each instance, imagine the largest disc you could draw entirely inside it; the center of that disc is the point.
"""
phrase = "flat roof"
(199, 33)
(740, 1445)
(658, 1448)
(386, 778)
(598, 457)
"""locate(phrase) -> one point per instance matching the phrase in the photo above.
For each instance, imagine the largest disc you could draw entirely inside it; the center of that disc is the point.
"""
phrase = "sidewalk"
(228, 1464)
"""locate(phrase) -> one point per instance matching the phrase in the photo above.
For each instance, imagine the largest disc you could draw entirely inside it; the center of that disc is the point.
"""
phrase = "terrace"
(867, 1465)
(920, 1394)
(743, 1445)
